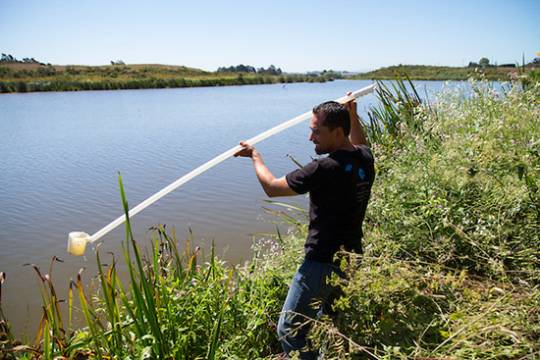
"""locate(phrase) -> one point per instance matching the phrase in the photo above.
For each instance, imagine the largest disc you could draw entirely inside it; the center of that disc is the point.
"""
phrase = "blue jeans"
(308, 286)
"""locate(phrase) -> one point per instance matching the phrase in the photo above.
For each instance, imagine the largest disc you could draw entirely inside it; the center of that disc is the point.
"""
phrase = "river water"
(60, 154)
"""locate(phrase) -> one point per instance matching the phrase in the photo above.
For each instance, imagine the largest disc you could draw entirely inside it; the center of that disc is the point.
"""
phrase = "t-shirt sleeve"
(305, 179)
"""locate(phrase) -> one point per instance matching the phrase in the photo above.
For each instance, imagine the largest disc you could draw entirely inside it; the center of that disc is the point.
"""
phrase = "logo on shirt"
(361, 174)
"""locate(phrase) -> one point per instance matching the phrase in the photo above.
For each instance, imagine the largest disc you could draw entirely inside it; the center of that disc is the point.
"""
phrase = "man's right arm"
(271, 185)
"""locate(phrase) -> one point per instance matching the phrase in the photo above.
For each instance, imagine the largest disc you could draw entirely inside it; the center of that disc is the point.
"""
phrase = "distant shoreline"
(442, 73)
(20, 78)
(59, 86)
(35, 77)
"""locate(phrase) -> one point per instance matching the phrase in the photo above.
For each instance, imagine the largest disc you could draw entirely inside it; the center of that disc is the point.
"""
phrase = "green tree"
(484, 62)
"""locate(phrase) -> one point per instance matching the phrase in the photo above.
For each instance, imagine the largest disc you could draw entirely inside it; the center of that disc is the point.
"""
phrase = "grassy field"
(422, 72)
(20, 77)
(450, 269)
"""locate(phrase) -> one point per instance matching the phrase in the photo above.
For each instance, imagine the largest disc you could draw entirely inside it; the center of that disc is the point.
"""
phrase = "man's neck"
(345, 145)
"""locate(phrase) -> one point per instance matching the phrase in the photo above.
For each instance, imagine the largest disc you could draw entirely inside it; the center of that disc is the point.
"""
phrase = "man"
(339, 187)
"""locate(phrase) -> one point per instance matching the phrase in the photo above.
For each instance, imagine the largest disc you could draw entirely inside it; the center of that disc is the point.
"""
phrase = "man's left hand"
(351, 105)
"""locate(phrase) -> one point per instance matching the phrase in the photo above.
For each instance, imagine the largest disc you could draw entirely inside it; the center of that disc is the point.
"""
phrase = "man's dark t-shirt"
(339, 188)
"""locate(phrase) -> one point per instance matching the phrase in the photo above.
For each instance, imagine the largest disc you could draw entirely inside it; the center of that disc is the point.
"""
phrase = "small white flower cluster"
(267, 248)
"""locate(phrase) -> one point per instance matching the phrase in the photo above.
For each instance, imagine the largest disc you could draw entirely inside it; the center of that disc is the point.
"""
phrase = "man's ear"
(340, 132)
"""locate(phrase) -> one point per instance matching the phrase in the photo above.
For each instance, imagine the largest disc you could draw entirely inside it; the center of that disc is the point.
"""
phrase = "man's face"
(323, 138)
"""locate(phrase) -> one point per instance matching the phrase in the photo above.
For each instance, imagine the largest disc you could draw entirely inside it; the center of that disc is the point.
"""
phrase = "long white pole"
(218, 159)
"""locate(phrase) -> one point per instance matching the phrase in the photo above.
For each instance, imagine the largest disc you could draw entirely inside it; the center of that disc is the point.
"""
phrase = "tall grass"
(175, 304)
(464, 177)
(450, 269)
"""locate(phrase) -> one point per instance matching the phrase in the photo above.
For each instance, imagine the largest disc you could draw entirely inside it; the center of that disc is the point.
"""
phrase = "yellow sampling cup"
(77, 242)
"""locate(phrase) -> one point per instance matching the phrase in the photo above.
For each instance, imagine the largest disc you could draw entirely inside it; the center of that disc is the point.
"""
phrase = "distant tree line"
(484, 63)
(271, 70)
(8, 58)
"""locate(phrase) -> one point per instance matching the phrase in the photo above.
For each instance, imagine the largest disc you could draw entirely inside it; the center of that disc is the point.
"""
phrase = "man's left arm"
(271, 185)
(357, 136)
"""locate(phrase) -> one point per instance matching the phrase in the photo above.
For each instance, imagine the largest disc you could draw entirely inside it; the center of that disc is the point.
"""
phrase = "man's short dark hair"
(333, 115)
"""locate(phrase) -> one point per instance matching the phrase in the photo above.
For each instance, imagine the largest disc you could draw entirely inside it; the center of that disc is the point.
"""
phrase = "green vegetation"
(10, 59)
(424, 72)
(272, 70)
(450, 270)
(530, 79)
(28, 77)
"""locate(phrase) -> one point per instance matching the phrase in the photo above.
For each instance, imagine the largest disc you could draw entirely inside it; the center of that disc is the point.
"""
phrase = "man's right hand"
(272, 186)
(247, 151)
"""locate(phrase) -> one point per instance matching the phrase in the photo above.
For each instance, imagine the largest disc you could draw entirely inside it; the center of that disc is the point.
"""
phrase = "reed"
(397, 106)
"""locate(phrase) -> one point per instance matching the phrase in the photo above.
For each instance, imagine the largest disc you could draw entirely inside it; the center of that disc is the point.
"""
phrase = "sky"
(296, 35)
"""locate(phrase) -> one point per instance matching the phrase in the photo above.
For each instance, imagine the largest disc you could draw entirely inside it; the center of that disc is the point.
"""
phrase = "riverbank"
(423, 72)
(450, 268)
(35, 77)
